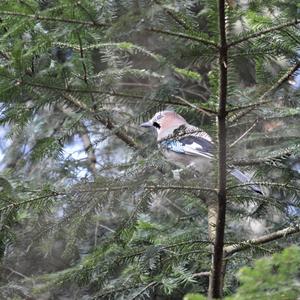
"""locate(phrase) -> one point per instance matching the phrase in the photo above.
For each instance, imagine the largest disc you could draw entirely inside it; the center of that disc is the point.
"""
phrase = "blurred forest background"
(89, 208)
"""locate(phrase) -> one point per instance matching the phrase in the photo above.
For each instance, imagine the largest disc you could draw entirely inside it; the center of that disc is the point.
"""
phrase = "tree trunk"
(218, 268)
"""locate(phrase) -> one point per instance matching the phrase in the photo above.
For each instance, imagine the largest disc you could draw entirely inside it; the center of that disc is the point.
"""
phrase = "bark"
(89, 149)
(218, 268)
(229, 250)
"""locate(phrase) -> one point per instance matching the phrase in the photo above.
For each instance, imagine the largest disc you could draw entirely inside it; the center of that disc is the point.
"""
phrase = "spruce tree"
(85, 74)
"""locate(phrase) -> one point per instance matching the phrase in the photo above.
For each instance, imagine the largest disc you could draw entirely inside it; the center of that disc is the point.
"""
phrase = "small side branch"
(201, 274)
(83, 91)
(53, 19)
(185, 36)
(244, 134)
(206, 111)
(172, 15)
(105, 121)
(275, 86)
(25, 202)
(263, 32)
(229, 250)
(149, 187)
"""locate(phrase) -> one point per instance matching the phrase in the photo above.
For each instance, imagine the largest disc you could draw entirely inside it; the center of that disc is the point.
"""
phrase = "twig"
(84, 91)
(17, 273)
(52, 19)
(229, 250)
(185, 36)
(150, 188)
(107, 228)
(252, 105)
(172, 15)
(244, 134)
(201, 274)
(275, 86)
(204, 110)
(151, 284)
(264, 183)
(106, 122)
(262, 32)
(16, 204)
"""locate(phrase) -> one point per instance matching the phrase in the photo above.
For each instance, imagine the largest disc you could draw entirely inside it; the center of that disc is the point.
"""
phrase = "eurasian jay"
(186, 145)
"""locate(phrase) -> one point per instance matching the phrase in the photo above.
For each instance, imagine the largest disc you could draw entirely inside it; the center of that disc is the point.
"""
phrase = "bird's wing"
(194, 145)
(189, 140)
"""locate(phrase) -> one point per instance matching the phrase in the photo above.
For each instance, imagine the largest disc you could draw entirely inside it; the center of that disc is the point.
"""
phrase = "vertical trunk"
(89, 149)
(216, 279)
(212, 218)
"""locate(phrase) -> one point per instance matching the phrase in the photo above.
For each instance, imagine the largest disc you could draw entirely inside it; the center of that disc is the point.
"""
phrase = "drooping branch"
(229, 250)
(263, 32)
(53, 19)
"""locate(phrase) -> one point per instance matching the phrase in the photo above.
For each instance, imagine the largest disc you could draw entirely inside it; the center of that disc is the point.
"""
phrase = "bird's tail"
(245, 178)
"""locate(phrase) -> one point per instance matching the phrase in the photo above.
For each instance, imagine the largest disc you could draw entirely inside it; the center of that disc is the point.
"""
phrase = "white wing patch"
(195, 149)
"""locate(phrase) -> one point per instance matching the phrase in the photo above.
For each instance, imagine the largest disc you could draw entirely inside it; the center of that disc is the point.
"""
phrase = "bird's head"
(164, 122)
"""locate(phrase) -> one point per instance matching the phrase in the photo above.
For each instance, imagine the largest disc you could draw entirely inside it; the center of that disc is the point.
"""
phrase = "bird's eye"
(155, 124)
(159, 117)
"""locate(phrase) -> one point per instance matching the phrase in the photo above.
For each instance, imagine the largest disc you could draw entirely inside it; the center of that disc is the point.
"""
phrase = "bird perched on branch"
(188, 146)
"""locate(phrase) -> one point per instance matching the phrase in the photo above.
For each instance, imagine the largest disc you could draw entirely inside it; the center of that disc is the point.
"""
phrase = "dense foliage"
(89, 207)
(275, 277)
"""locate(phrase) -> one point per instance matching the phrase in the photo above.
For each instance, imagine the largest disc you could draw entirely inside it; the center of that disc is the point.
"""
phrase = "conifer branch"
(53, 19)
(84, 91)
(32, 200)
(249, 162)
(140, 293)
(263, 32)
(265, 183)
(244, 134)
(275, 86)
(201, 274)
(206, 111)
(172, 15)
(185, 36)
(111, 292)
(149, 187)
(107, 122)
(264, 160)
(229, 250)
(112, 93)
(281, 80)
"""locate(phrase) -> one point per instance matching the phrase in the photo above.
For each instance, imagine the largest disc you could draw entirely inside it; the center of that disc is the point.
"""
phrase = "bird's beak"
(146, 124)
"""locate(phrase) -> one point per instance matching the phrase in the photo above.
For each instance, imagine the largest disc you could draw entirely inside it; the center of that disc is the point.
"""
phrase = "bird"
(188, 146)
